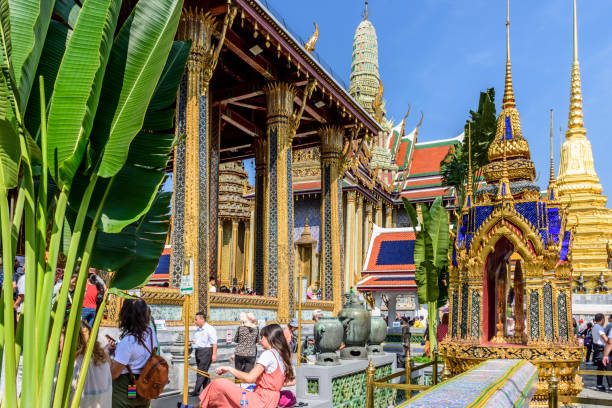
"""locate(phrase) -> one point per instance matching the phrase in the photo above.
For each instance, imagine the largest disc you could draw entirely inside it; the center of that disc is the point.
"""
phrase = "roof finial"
(468, 196)
(508, 101)
(552, 157)
(365, 12)
(575, 114)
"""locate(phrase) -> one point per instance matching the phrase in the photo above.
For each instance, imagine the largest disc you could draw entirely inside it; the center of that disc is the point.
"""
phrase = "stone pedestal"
(335, 386)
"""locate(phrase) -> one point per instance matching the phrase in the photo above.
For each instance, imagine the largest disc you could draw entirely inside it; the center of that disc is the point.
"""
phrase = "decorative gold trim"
(231, 300)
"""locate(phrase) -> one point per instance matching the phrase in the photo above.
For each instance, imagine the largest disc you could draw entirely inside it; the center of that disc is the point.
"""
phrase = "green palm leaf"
(29, 23)
(438, 231)
(10, 156)
(68, 10)
(51, 58)
(136, 62)
(134, 253)
(78, 85)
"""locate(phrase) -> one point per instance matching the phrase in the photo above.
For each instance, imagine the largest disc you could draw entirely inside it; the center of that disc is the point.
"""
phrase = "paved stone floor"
(588, 391)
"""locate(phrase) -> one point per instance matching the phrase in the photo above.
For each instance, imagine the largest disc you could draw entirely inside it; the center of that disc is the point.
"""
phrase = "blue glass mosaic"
(562, 316)
(203, 203)
(565, 245)
(396, 253)
(273, 220)
(474, 330)
(534, 315)
(464, 310)
(529, 210)
(482, 213)
(290, 231)
(554, 223)
(548, 311)
(508, 134)
(455, 314)
(327, 234)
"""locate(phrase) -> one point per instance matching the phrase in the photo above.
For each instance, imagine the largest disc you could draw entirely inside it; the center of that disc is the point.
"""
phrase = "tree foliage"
(454, 166)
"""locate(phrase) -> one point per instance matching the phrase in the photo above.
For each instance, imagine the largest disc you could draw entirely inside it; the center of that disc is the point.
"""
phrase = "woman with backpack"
(272, 370)
(587, 335)
(246, 338)
(137, 344)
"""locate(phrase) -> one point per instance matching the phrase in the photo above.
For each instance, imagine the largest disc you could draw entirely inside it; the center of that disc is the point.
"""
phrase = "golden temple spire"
(508, 101)
(365, 12)
(552, 157)
(575, 120)
(468, 195)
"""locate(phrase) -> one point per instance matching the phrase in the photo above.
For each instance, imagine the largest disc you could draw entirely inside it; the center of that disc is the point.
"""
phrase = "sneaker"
(601, 388)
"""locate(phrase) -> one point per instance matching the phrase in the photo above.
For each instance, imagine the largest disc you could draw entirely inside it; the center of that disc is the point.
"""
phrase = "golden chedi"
(579, 189)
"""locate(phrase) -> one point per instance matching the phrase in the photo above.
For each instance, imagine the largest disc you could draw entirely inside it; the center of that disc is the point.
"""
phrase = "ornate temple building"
(579, 189)
(524, 311)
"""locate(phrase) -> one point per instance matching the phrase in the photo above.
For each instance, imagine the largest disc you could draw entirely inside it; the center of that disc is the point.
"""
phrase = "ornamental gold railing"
(553, 391)
(408, 387)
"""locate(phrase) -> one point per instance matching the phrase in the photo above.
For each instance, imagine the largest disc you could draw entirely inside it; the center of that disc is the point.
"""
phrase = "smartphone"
(111, 340)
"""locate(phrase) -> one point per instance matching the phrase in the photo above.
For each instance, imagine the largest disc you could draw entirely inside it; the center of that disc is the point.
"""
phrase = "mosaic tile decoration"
(464, 310)
(203, 193)
(232, 314)
(349, 391)
(475, 314)
(455, 314)
(273, 212)
(341, 231)
(327, 255)
(259, 234)
(312, 386)
(548, 312)
(166, 312)
(178, 197)
(213, 205)
(529, 210)
(534, 314)
(290, 223)
(562, 316)
(554, 223)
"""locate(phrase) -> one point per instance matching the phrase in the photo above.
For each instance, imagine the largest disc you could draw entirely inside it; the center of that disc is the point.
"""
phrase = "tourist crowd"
(597, 339)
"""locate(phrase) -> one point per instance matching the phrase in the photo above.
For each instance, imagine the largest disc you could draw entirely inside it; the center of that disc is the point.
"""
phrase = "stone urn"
(378, 334)
(356, 321)
(328, 333)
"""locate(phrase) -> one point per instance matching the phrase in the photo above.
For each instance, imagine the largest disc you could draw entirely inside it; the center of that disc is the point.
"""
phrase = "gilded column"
(234, 246)
(348, 241)
(368, 227)
(332, 140)
(247, 254)
(198, 27)
(261, 213)
(282, 122)
(394, 217)
(358, 242)
(251, 246)
(219, 251)
(388, 217)
(379, 214)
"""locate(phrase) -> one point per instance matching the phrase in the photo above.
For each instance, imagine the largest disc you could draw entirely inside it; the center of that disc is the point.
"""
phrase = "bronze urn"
(356, 321)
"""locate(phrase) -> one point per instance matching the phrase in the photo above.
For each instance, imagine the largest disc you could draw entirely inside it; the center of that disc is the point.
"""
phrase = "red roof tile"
(427, 159)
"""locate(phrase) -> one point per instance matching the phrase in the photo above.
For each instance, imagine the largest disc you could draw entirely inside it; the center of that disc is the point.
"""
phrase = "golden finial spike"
(468, 196)
(365, 12)
(575, 120)
(508, 101)
(552, 157)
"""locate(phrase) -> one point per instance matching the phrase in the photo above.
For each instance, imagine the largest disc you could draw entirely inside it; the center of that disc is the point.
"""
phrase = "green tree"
(431, 258)
(86, 117)
(454, 166)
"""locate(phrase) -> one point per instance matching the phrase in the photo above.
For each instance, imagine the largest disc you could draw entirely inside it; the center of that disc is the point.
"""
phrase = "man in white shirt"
(205, 345)
(600, 339)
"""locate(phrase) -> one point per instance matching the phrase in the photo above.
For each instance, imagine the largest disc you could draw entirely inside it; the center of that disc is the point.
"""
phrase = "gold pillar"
(332, 141)
(260, 217)
(198, 231)
(282, 122)
(394, 217)
(219, 249)
(234, 252)
(388, 216)
(368, 227)
(379, 214)
(247, 254)
(349, 266)
(358, 242)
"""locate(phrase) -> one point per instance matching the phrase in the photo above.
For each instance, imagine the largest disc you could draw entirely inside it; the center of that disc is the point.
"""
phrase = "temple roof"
(389, 263)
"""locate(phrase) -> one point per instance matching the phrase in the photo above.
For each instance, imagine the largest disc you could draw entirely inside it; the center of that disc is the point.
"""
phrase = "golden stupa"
(579, 189)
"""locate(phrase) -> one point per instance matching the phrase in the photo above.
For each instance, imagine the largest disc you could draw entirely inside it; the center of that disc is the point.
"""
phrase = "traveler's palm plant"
(86, 118)
(430, 258)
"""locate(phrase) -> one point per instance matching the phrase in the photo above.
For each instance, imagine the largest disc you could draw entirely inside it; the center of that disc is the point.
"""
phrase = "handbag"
(287, 399)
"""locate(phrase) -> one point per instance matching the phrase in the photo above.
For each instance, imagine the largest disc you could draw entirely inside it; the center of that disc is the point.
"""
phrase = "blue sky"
(437, 55)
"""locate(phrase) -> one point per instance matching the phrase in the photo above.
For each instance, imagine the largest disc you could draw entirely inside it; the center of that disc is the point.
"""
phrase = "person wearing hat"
(290, 335)
(246, 338)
